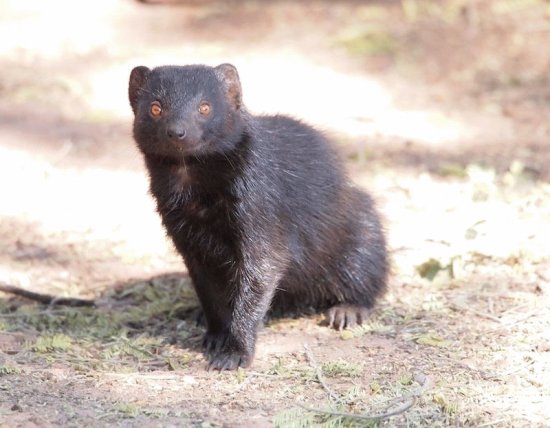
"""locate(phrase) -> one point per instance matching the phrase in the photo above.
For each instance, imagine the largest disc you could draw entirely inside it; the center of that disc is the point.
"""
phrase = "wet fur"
(258, 206)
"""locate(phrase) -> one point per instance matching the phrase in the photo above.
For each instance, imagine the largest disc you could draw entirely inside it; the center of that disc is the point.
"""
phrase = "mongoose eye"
(155, 109)
(204, 109)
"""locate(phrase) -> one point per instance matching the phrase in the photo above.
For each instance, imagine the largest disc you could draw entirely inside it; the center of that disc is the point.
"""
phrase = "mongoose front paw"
(227, 360)
(225, 352)
(346, 316)
(212, 343)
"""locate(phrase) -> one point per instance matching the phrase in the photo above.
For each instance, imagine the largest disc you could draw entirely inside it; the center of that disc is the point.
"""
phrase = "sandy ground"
(440, 108)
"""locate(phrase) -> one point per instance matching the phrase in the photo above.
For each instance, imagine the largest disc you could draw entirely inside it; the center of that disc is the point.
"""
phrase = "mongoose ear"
(138, 77)
(228, 75)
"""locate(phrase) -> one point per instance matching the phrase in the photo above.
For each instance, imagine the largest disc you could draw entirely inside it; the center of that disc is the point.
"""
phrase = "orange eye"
(155, 109)
(204, 109)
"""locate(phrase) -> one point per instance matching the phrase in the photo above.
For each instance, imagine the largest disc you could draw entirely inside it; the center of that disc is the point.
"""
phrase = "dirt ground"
(441, 109)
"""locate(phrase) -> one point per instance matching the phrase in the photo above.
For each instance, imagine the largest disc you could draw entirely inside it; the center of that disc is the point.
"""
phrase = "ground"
(441, 110)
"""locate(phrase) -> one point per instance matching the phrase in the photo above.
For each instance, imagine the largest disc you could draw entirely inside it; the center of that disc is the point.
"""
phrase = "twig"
(411, 401)
(137, 349)
(320, 377)
(253, 373)
(45, 299)
(47, 311)
(512, 323)
(402, 409)
(408, 401)
(491, 423)
(478, 313)
(511, 371)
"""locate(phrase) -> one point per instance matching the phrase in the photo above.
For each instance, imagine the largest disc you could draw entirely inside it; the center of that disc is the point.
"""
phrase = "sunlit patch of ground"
(452, 147)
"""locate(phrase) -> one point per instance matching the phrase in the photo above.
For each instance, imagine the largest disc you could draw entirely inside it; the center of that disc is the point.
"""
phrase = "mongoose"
(259, 207)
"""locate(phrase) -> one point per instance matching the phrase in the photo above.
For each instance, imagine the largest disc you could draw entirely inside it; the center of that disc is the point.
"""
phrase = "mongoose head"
(183, 111)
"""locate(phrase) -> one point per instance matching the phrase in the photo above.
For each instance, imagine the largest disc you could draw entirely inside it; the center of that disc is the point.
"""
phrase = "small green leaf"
(57, 342)
(241, 375)
(429, 269)
(375, 387)
(406, 379)
(346, 335)
(432, 340)
(9, 370)
(341, 368)
(445, 405)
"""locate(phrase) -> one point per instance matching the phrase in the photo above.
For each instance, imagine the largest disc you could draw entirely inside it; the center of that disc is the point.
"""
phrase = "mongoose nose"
(176, 133)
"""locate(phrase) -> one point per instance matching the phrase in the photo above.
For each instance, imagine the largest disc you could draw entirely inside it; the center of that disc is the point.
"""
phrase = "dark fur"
(258, 206)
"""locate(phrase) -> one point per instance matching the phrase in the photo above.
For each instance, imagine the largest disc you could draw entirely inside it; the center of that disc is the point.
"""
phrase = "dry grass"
(451, 126)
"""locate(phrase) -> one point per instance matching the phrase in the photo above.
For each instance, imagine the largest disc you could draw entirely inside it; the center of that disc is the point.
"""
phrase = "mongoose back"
(259, 207)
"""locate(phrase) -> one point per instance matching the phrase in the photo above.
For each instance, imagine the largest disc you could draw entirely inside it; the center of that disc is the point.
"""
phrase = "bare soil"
(441, 109)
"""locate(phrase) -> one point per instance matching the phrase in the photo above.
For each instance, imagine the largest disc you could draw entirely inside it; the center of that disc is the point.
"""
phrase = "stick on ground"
(45, 299)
